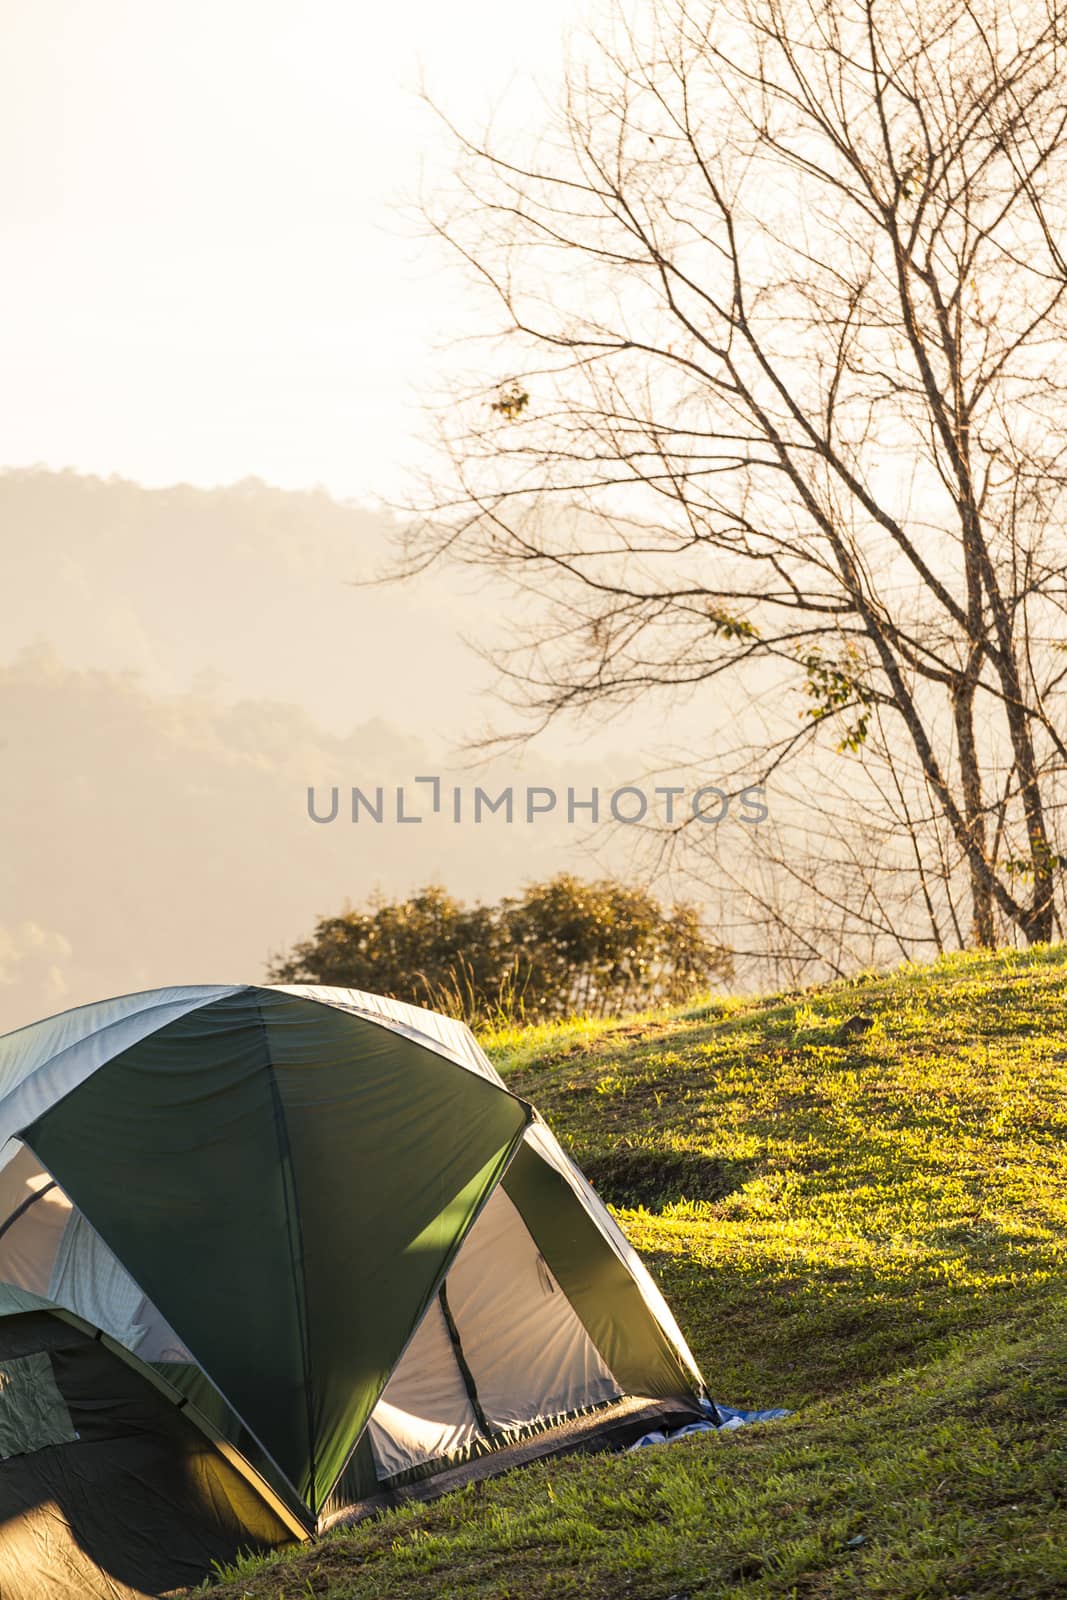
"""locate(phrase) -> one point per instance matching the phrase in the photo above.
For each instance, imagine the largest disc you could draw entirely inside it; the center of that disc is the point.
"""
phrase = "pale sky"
(203, 273)
(205, 279)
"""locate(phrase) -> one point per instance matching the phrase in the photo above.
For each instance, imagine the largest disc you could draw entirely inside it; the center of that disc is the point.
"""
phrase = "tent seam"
(296, 1254)
(461, 1360)
(21, 1210)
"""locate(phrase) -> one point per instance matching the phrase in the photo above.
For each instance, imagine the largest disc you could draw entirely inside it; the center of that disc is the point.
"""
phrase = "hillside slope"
(856, 1202)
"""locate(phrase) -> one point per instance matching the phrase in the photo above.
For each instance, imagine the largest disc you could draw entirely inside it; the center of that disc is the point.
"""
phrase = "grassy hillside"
(856, 1201)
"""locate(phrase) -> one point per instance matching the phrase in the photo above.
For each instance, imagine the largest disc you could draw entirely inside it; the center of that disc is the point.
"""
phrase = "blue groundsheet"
(718, 1419)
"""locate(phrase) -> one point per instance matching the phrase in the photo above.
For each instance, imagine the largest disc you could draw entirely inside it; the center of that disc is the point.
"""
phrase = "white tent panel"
(48, 1248)
(540, 1138)
(424, 1411)
(528, 1352)
(33, 1215)
(89, 1280)
(46, 1060)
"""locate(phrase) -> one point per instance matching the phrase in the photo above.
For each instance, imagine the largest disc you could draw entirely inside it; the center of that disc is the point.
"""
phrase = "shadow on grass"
(629, 1178)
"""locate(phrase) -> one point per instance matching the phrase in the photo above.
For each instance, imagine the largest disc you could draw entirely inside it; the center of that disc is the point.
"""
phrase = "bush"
(560, 948)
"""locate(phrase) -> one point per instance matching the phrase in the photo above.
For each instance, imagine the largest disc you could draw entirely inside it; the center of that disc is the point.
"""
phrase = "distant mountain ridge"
(178, 667)
(247, 587)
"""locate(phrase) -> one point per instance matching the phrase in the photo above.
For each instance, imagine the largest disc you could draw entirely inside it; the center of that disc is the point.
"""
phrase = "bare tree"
(777, 399)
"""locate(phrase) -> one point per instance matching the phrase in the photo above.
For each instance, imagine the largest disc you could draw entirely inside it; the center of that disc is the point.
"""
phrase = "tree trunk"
(982, 927)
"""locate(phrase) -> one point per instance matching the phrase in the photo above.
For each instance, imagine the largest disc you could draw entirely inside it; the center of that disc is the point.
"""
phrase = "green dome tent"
(269, 1253)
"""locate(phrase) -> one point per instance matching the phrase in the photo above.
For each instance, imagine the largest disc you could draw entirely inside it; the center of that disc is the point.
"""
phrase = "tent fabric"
(263, 1258)
(45, 1060)
(526, 1355)
(527, 1349)
(445, 1034)
(449, 1034)
(89, 1279)
(319, 1226)
(205, 1410)
(425, 1412)
(612, 1303)
(138, 1502)
(33, 1413)
(34, 1212)
(47, 1247)
(540, 1139)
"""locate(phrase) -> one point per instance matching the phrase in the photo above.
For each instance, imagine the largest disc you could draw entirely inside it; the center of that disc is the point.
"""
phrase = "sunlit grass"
(879, 1242)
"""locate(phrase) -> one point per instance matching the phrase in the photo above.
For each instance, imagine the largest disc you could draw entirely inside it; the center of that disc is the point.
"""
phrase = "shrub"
(561, 947)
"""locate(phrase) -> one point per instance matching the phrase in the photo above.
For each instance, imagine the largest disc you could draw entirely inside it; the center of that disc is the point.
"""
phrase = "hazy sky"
(179, 667)
(206, 280)
(203, 272)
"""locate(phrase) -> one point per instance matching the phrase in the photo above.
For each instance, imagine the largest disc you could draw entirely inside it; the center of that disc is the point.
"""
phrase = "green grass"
(868, 1228)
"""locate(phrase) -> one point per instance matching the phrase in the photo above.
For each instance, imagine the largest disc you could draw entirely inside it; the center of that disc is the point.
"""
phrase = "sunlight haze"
(202, 243)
